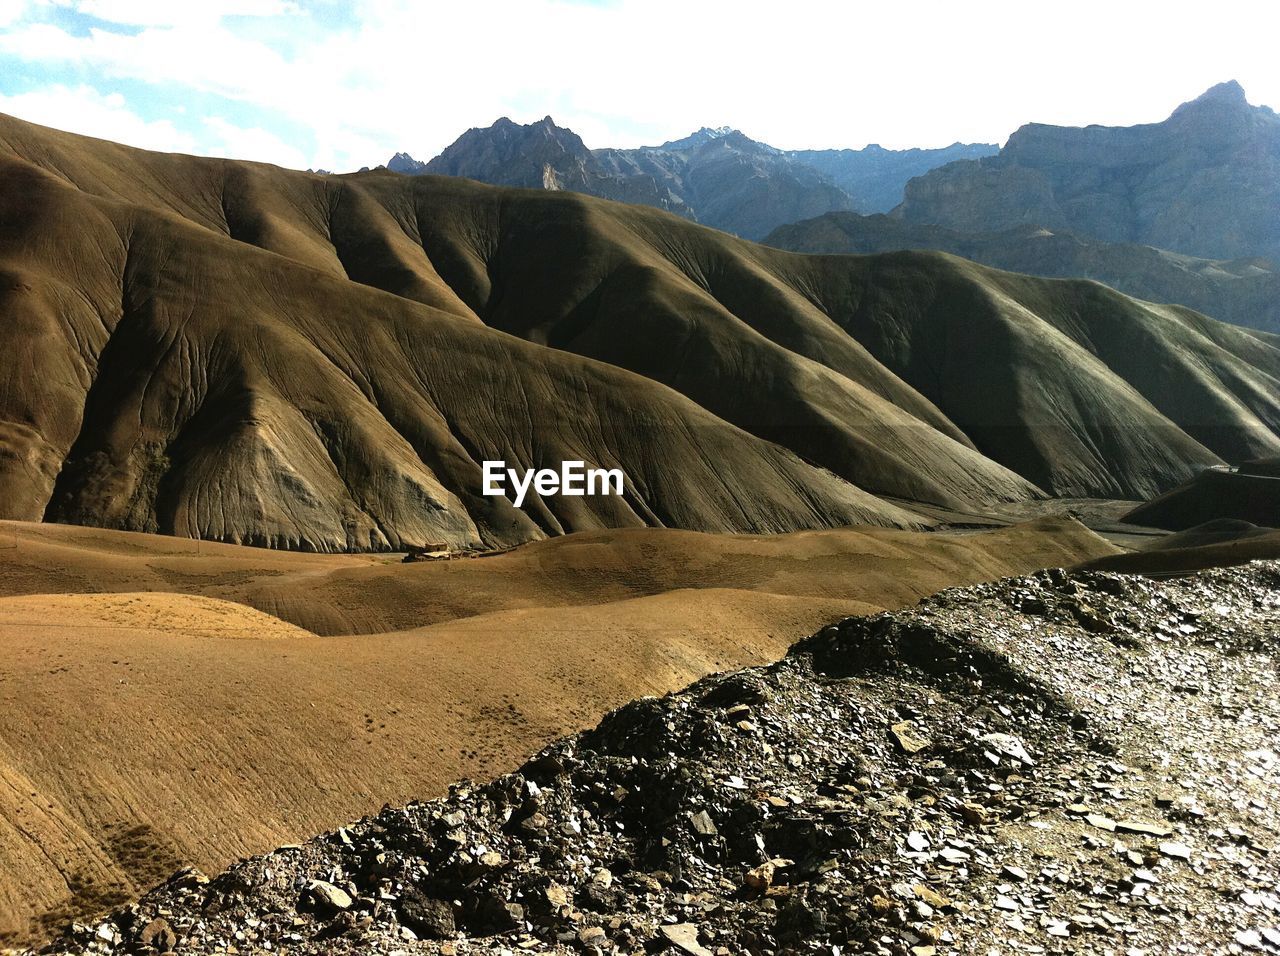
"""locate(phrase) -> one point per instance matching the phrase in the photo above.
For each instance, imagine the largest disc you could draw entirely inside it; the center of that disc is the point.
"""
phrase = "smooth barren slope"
(236, 351)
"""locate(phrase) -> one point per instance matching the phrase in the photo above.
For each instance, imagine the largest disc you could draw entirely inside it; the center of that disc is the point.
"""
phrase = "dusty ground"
(1060, 763)
(152, 715)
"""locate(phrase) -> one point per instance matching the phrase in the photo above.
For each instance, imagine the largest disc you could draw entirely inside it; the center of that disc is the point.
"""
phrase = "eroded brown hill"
(236, 351)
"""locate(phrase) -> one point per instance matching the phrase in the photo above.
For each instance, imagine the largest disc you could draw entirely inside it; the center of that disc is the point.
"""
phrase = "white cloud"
(413, 74)
(164, 13)
(251, 143)
(83, 109)
(208, 58)
(11, 11)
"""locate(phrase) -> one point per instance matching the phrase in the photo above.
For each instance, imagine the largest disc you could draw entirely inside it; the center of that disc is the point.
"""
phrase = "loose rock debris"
(1052, 764)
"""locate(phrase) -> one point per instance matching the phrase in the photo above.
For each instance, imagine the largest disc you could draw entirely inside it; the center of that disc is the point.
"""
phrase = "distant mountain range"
(1205, 182)
(718, 177)
(1185, 211)
(875, 177)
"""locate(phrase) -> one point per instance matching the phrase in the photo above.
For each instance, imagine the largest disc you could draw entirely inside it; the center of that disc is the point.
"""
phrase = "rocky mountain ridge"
(718, 177)
(1205, 182)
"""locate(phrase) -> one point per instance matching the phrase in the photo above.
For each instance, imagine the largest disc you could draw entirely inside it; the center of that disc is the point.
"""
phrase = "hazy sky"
(342, 85)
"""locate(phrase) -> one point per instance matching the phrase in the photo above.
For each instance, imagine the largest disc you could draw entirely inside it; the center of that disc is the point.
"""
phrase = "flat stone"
(1007, 745)
(684, 936)
(702, 823)
(331, 896)
(591, 936)
(907, 738)
(1178, 851)
(1249, 938)
(557, 895)
(930, 896)
(429, 918)
(1146, 829)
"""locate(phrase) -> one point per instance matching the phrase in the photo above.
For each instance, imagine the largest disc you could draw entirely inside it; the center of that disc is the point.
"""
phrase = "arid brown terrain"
(167, 703)
(1058, 763)
(200, 355)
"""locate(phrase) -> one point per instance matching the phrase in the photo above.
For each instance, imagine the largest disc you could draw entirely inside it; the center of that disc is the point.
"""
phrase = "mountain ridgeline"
(718, 177)
(1186, 211)
(235, 351)
(875, 177)
(1205, 182)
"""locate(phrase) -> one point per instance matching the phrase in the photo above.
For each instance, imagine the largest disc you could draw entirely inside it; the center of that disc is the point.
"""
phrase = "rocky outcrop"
(543, 155)
(1081, 761)
(1205, 182)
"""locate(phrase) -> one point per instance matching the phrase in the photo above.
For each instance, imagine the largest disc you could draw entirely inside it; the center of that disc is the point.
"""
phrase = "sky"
(324, 84)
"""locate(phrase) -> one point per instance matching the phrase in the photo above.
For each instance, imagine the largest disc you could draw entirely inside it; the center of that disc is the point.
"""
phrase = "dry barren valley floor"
(165, 703)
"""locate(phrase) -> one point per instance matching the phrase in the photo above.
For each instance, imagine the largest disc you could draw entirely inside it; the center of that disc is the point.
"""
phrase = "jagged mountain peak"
(1223, 99)
(403, 162)
(700, 137)
(1229, 91)
(505, 126)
